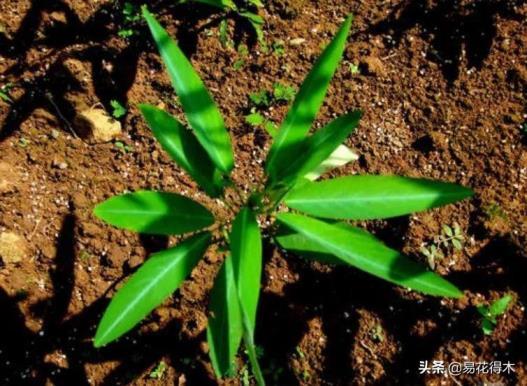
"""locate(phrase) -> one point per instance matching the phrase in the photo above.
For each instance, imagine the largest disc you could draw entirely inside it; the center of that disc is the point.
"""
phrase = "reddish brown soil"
(442, 86)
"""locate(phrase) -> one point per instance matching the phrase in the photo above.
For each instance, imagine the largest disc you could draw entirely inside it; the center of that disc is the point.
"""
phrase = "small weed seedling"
(491, 313)
(300, 210)
(4, 92)
(493, 211)
(118, 110)
(123, 147)
(377, 333)
(256, 119)
(450, 237)
(247, 10)
(131, 18)
(261, 98)
(159, 371)
(283, 93)
(354, 69)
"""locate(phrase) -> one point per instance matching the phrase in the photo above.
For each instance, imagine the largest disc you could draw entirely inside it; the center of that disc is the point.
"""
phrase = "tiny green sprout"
(523, 128)
(299, 352)
(245, 376)
(159, 371)
(223, 33)
(490, 314)
(312, 217)
(377, 333)
(278, 47)
(260, 98)
(131, 17)
(124, 148)
(255, 119)
(453, 236)
(283, 92)
(125, 32)
(84, 255)
(23, 142)
(118, 110)
(243, 52)
(493, 211)
(4, 92)
(354, 68)
(432, 253)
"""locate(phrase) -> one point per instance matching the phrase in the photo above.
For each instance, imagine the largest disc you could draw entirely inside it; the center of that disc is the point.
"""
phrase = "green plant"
(4, 92)
(354, 68)
(131, 18)
(491, 313)
(247, 10)
(282, 92)
(449, 237)
(206, 154)
(159, 371)
(260, 98)
(123, 147)
(118, 110)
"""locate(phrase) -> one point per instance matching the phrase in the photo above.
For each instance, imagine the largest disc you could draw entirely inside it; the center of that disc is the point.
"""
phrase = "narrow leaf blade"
(246, 249)
(340, 157)
(500, 306)
(307, 103)
(157, 278)
(200, 109)
(221, 4)
(154, 213)
(372, 197)
(318, 148)
(225, 329)
(184, 148)
(365, 252)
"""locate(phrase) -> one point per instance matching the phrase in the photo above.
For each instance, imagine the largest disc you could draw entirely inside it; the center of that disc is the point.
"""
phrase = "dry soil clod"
(8, 178)
(95, 125)
(13, 248)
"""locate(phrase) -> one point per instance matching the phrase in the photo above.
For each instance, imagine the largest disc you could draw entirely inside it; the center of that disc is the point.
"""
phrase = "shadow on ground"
(63, 37)
(452, 27)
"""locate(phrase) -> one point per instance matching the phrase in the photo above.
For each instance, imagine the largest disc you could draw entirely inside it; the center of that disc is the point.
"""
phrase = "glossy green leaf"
(246, 249)
(203, 115)
(155, 213)
(340, 157)
(157, 278)
(500, 306)
(184, 148)
(222, 4)
(365, 252)
(372, 197)
(306, 104)
(317, 148)
(225, 328)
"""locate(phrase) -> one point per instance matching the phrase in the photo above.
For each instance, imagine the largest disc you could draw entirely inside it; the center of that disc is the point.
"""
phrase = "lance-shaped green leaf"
(222, 4)
(340, 157)
(157, 278)
(202, 114)
(246, 249)
(224, 331)
(317, 148)
(306, 104)
(372, 197)
(155, 213)
(365, 252)
(184, 148)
